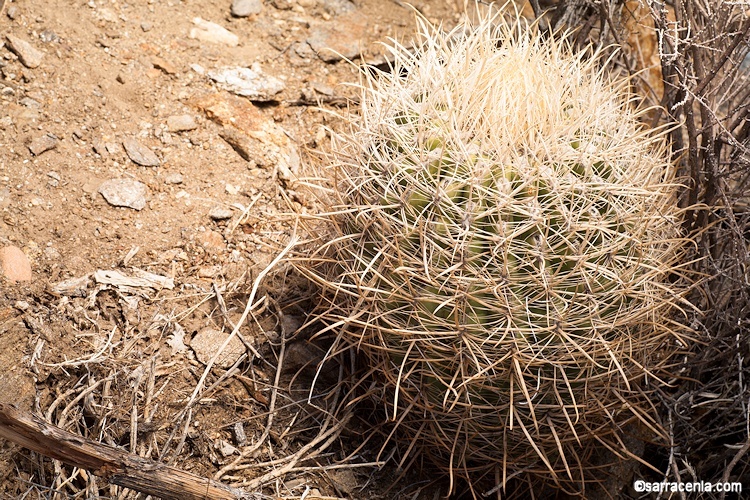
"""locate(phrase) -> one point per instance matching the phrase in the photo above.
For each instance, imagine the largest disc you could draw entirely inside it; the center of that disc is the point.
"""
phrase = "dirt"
(110, 86)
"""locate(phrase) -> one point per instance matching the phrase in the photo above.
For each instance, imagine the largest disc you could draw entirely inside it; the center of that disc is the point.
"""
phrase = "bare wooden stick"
(116, 466)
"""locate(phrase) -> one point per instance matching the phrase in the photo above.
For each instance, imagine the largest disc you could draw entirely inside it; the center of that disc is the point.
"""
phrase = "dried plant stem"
(251, 304)
(118, 467)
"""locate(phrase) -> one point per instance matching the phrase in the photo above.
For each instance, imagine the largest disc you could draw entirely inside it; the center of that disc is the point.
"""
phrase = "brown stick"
(116, 466)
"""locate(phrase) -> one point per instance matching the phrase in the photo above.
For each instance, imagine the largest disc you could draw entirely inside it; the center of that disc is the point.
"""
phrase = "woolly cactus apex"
(502, 235)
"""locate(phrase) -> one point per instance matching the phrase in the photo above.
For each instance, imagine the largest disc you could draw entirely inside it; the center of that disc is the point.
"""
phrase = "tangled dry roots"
(501, 246)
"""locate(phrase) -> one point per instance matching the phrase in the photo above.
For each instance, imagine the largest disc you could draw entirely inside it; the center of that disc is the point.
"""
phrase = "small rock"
(198, 68)
(248, 82)
(283, 4)
(246, 147)
(124, 193)
(14, 264)
(255, 136)
(181, 123)
(244, 8)
(113, 148)
(146, 26)
(173, 178)
(338, 7)
(164, 65)
(54, 179)
(22, 305)
(139, 153)
(343, 39)
(51, 253)
(323, 89)
(211, 241)
(206, 344)
(225, 448)
(99, 147)
(29, 102)
(239, 434)
(49, 36)
(307, 4)
(42, 144)
(153, 73)
(211, 32)
(27, 54)
(220, 213)
(107, 15)
(303, 50)
(12, 12)
(209, 271)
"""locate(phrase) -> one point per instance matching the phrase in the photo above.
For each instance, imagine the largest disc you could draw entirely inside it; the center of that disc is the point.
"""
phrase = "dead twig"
(116, 466)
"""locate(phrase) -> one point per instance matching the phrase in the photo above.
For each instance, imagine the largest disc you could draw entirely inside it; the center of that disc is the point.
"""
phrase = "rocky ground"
(149, 150)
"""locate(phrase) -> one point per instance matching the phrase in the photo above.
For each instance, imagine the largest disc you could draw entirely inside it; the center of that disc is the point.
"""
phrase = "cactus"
(502, 235)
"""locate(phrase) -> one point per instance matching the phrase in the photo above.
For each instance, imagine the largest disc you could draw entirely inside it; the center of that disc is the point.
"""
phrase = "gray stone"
(113, 148)
(99, 147)
(338, 7)
(340, 40)
(30, 103)
(323, 89)
(28, 55)
(243, 145)
(225, 448)
(220, 213)
(181, 123)
(49, 36)
(206, 344)
(125, 193)
(139, 153)
(303, 50)
(239, 434)
(283, 4)
(43, 143)
(173, 178)
(244, 8)
(248, 82)
(22, 305)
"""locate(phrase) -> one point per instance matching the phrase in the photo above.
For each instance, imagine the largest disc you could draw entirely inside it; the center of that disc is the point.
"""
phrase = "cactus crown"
(503, 230)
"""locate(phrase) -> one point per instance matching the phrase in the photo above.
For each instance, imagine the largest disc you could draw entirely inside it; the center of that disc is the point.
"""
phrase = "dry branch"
(116, 466)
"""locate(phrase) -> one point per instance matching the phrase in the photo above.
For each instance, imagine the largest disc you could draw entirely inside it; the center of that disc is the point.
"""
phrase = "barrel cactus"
(502, 243)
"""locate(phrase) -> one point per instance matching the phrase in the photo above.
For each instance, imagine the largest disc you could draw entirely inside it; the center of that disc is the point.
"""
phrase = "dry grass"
(258, 425)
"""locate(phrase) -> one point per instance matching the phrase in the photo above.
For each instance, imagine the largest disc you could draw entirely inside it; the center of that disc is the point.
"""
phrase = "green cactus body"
(513, 246)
